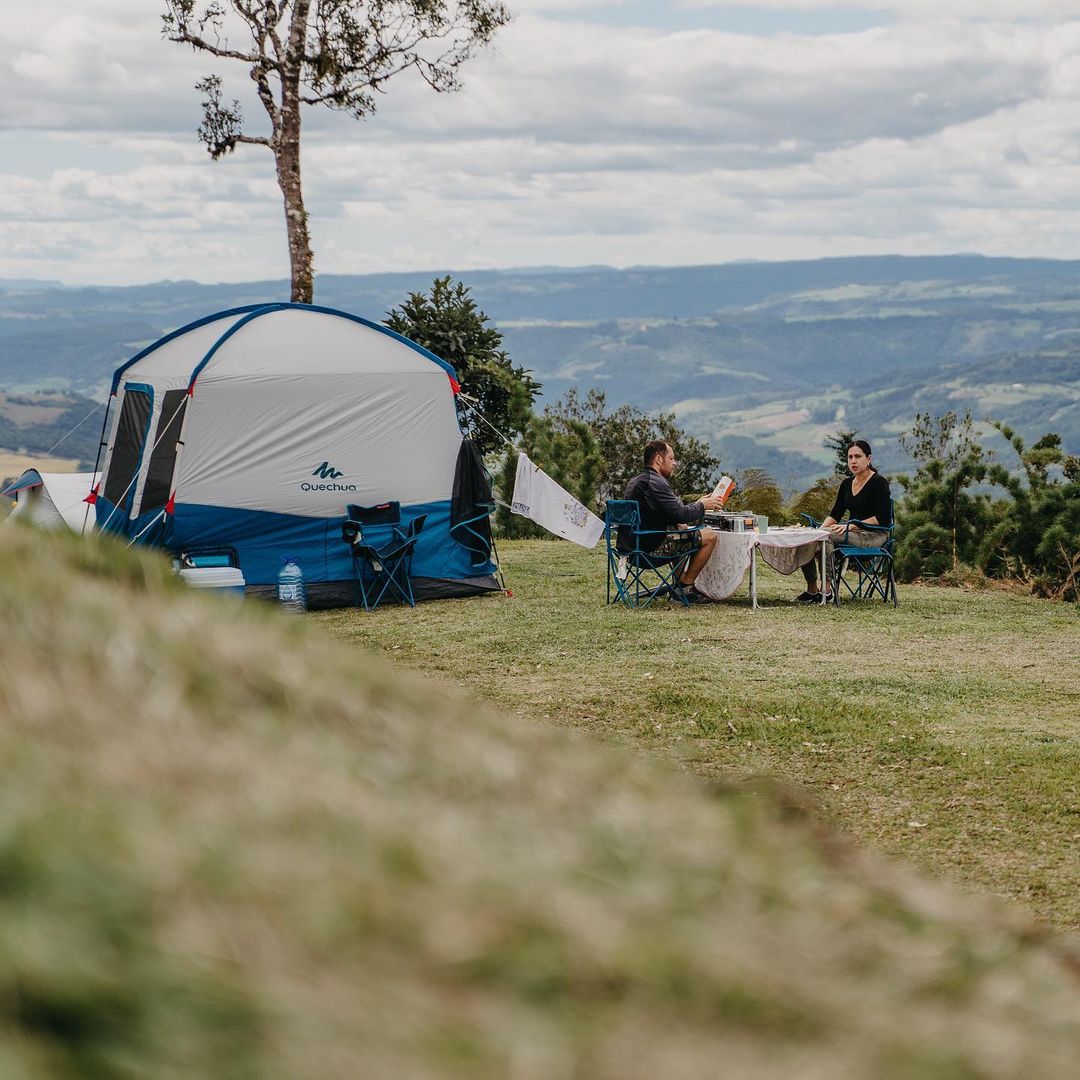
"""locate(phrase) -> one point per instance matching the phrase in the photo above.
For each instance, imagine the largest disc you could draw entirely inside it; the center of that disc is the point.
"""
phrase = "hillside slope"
(232, 846)
(762, 359)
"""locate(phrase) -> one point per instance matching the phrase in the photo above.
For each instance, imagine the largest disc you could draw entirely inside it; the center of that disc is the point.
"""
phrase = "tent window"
(159, 475)
(128, 448)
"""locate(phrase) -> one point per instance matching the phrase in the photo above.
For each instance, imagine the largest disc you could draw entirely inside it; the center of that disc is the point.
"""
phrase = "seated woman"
(864, 496)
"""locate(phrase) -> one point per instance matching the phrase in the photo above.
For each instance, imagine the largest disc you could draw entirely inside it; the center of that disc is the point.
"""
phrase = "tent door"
(127, 451)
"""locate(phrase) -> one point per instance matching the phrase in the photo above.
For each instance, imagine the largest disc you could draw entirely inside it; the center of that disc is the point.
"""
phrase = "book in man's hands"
(724, 487)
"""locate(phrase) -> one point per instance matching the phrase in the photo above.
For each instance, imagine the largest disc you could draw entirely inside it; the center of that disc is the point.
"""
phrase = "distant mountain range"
(762, 359)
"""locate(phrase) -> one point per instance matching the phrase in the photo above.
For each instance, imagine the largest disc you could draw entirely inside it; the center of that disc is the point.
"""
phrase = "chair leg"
(407, 571)
(359, 589)
(637, 592)
(620, 594)
(669, 580)
(676, 579)
(879, 579)
(875, 578)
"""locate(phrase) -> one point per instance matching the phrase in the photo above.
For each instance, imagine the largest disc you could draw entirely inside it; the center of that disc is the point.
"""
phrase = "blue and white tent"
(52, 500)
(253, 430)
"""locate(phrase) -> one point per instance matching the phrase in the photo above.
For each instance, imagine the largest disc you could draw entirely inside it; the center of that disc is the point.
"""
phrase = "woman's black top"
(871, 502)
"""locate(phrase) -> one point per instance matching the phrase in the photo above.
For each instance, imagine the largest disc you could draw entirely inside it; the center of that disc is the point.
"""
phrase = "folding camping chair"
(873, 566)
(637, 576)
(381, 571)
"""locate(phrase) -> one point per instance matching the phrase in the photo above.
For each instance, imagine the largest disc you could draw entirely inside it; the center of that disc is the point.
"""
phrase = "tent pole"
(97, 457)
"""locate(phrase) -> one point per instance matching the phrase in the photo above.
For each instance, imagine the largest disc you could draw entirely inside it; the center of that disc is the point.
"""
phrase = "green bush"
(922, 551)
(970, 510)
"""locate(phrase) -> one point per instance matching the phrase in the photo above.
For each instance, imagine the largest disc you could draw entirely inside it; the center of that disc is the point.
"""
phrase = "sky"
(615, 132)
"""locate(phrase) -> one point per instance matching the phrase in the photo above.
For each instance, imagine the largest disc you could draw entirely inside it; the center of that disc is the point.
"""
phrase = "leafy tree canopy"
(758, 492)
(816, 501)
(621, 435)
(838, 442)
(947, 438)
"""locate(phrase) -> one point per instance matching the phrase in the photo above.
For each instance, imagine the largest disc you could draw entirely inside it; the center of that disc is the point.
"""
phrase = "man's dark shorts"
(679, 543)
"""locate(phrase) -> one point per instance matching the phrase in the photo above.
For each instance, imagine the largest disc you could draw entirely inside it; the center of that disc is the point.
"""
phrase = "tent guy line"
(52, 449)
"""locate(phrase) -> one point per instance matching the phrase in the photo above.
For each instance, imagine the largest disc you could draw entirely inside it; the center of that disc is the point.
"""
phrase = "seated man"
(662, 509)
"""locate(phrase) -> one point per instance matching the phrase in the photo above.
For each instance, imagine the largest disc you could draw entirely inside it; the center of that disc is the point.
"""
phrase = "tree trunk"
(287, 160)
(955, 515)
(287, 157)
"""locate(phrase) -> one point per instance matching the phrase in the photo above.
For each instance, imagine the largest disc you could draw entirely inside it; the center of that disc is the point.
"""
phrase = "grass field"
(946, 732)
(233, 847)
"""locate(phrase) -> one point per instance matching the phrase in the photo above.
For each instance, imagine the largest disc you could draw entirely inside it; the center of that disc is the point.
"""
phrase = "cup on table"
(762, 524)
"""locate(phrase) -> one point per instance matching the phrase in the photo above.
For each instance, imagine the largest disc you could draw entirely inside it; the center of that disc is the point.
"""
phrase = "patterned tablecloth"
(785, 550)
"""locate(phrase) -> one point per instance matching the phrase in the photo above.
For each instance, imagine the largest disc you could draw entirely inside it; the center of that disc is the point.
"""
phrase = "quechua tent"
(253, 430)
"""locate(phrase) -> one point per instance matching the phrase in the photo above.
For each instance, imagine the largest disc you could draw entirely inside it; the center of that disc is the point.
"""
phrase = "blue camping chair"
(381, 570)
(636, 576)
(873, 566)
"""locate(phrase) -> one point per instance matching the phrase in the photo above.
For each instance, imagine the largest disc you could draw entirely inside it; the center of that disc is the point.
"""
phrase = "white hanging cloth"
(539, 498)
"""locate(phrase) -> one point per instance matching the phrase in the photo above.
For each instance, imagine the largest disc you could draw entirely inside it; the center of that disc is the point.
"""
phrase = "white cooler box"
(226, 579)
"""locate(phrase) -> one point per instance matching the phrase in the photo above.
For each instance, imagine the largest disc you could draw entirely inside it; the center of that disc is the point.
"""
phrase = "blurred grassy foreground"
(231, 846)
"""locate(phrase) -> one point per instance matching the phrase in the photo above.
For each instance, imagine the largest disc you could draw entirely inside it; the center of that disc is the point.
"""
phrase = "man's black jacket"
(661, 508)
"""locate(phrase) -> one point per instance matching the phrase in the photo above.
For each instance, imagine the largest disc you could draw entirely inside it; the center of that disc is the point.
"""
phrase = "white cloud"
(918, 9)
(572, 142)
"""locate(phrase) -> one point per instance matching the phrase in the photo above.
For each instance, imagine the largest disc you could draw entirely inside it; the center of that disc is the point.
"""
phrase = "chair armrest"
(811, 521)
(397, 547)
(668, 532)
(886, 529)
(870, 528)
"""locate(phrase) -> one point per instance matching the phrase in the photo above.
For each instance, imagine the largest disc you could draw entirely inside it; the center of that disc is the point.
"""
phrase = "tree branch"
(197, 42)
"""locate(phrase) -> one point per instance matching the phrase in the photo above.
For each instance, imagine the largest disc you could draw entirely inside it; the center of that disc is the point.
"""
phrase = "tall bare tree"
(338, 53)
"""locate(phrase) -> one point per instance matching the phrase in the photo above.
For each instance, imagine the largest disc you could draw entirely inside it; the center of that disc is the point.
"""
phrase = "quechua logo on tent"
(326, 471)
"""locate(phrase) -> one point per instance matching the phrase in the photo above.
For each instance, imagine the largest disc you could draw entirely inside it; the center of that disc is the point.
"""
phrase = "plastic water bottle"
(290, 586)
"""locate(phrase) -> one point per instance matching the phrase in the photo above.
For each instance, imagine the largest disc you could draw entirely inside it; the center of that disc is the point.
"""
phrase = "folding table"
(736, 552)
